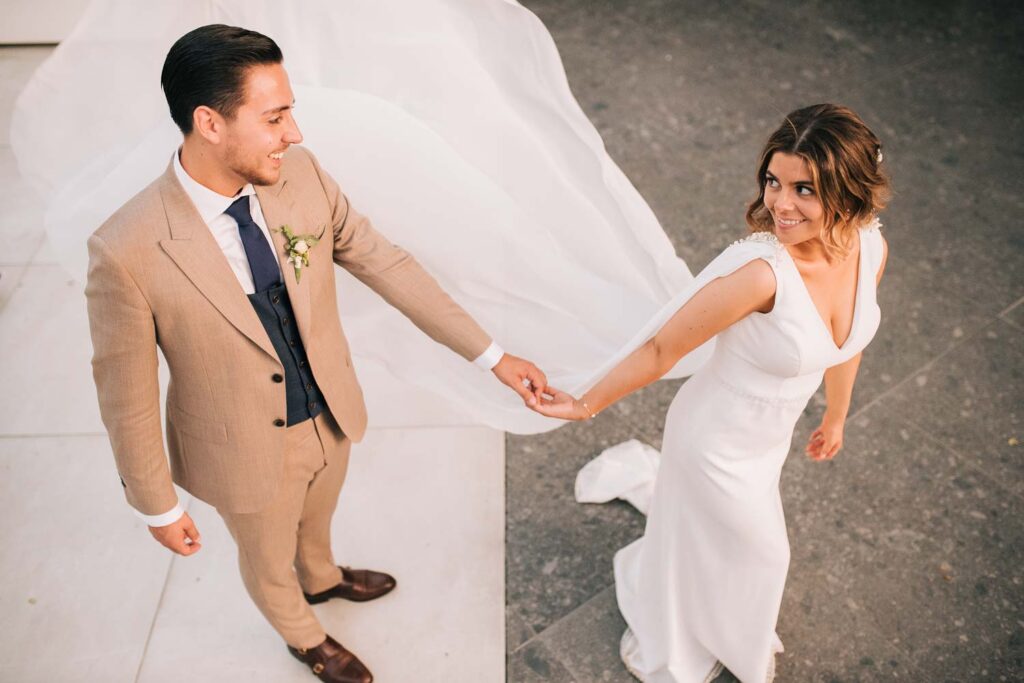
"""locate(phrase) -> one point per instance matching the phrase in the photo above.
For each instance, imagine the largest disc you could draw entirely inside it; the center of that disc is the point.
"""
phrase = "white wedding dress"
(704, 584)
(449, 122)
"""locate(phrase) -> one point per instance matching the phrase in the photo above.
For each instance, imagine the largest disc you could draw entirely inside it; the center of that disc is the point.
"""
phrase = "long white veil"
(449, 122)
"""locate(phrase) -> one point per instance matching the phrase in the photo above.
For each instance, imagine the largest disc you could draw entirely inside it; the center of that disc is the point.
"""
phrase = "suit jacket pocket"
(197, 427)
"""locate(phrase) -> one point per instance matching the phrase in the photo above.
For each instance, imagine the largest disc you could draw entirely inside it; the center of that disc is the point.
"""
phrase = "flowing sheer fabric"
(449, 122)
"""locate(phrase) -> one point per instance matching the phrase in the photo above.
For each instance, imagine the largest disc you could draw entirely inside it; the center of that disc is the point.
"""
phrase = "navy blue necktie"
(262, 263)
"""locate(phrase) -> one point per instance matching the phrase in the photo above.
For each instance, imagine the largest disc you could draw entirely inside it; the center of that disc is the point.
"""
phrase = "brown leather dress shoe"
(358, 585)
(332, 663)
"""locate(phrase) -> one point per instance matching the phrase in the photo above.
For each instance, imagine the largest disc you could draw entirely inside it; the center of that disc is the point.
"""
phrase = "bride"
(792, 303)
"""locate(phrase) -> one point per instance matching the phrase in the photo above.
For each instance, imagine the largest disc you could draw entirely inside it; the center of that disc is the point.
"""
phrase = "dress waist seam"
(775, 400)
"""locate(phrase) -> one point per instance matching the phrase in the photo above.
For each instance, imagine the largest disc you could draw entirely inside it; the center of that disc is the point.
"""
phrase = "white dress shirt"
(211, 207)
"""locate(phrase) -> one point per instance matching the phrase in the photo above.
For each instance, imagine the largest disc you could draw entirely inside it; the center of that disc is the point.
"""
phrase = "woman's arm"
(715, 307)
(827, 439)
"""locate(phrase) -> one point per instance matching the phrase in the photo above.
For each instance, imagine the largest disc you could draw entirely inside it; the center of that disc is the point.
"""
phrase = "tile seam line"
(911, 375)
(1012, 306)
(1011, 323)
(559, 621)
(156, 612)
(963, 460)
(515, 612)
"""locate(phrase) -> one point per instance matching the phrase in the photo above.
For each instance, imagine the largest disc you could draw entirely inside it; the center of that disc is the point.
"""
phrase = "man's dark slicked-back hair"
(207, 66)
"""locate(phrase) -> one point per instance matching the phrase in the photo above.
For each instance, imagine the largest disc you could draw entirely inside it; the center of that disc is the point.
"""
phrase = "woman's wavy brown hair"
(845, 159)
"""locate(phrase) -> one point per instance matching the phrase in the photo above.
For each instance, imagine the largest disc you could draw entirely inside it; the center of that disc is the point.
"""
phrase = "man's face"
(263, 126)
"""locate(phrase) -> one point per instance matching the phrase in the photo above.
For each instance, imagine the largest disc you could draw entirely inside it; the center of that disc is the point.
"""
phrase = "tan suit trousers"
(285, 548)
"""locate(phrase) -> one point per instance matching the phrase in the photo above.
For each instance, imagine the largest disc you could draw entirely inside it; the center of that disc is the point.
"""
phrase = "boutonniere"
(297, 248)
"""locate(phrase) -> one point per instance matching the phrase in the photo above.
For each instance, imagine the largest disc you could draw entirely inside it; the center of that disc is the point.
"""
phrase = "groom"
(263, 403)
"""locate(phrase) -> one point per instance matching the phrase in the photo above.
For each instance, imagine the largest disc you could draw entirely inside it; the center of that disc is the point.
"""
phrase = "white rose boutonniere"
(298, 247)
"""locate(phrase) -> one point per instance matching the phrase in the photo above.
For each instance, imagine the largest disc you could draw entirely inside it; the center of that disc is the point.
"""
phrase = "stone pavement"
(907, 549)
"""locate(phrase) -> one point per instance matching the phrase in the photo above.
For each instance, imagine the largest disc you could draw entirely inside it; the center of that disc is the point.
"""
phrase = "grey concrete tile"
(684, 96)
(587, 640)
(914, 553)
(897, 33)
(971, 400)
(962, 233)
(534, 663)
(952, 129)
(559, 552)
(962, 110)
(922, 318)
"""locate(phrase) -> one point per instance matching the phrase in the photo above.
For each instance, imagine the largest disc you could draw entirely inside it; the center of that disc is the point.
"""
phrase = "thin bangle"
(589, 411)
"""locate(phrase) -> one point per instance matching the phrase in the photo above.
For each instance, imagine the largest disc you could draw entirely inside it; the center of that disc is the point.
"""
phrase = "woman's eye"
(771, 182)
(276, 120)
(805, 191)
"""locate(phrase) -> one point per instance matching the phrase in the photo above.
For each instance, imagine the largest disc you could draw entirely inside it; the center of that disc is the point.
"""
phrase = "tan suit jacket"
(157, 278)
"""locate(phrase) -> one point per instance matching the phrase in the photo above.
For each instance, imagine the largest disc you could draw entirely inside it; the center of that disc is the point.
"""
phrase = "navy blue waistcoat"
(274, 309)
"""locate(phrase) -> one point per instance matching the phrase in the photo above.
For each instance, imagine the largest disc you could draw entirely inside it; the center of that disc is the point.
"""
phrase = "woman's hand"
(827, 439)
(558, 404)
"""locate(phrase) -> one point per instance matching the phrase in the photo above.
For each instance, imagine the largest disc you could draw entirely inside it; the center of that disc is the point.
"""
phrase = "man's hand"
(182, 536)
(524, 377)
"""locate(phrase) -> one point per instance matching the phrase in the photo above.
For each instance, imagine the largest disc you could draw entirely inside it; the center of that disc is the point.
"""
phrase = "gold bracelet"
(589, 412)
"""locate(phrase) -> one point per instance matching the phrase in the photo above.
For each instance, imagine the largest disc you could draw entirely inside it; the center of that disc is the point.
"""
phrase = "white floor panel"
(45, 350)
(10, 276)
(424, 504)
(80, 576)
(21, 215)
(17, 64)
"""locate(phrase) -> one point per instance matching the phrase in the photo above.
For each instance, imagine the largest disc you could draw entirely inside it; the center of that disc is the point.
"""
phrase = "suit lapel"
(194, 250)
(277, 206)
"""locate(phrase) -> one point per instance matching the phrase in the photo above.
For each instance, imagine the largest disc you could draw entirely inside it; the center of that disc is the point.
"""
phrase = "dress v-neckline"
(856, 295)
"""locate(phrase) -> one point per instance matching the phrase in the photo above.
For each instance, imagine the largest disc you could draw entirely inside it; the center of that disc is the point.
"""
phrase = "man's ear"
(208, 123)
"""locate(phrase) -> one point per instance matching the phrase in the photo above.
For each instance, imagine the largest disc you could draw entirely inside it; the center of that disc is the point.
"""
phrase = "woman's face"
(792, 199)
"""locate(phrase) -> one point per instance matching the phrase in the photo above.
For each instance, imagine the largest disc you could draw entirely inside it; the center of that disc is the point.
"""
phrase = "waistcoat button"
(279, 422)
(277, 378)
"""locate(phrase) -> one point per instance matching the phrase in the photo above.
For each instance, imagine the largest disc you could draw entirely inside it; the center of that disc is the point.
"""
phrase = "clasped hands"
(527, 380)
(531, 384)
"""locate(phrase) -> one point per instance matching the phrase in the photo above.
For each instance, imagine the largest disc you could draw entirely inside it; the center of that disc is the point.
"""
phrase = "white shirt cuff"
(489, 358)
(169, 517)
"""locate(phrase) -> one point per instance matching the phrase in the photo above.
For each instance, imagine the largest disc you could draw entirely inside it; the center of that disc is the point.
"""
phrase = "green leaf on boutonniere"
(297, 248)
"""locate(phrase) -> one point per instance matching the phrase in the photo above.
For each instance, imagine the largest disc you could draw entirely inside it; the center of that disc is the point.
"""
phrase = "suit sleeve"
(396, 276)
(124, 366)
